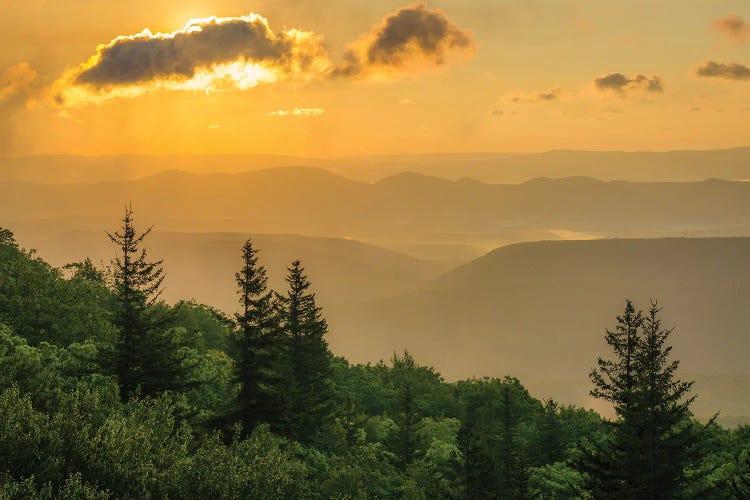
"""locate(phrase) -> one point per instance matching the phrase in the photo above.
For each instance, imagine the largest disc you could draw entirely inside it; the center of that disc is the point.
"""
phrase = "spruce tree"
(551, 439)
(651, 437)
(148, 356)
(513, 473)
(660, 415)
(476, 442)
(309, 392)
(405, 440)
(258, 344)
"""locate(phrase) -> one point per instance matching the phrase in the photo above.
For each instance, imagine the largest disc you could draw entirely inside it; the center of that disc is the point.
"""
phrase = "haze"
(427, 162)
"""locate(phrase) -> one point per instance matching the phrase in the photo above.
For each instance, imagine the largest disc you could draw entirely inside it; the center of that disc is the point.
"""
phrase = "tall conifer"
(148, 357)
(260, 350)
(309, 392)
(651, 437)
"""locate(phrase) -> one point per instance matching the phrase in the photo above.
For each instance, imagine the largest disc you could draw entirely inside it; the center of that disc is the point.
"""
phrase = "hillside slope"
(202, 265)
(539, 310)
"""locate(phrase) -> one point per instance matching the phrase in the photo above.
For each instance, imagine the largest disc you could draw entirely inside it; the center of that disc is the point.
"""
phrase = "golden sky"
(351, 77)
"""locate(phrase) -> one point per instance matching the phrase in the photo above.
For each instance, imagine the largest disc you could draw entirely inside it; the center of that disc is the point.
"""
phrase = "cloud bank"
(207, 54)
(734, 27)
(729, 71)
(222, 53)
(411, 39)
(621, 84)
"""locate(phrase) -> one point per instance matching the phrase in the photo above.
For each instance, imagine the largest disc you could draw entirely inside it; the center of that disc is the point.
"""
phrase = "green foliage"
(405, 440)
(211, 328)
(311, 425)
(557, 481)
(41, 305)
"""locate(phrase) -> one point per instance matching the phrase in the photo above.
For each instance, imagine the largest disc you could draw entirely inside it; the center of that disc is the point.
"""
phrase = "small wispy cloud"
(728, 71)
(298, 112)
(734, 27)
(549, 95)
(16, 80)
(622, 84)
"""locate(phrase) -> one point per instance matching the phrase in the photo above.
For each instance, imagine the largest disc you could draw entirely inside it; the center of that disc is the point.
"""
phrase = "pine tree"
(405, 441)
(309, 393)
(259, 346)
(513, 474)
(552, 447)
(660, 415)
(478, 471)
(148, 356)
(651, 437)
(614, 380)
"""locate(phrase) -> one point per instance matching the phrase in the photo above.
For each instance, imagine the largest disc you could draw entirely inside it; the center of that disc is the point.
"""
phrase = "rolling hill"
(539, 310)
(201, 266)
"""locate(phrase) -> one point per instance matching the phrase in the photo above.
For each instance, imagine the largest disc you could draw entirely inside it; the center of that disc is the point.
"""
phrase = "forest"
(108, 391)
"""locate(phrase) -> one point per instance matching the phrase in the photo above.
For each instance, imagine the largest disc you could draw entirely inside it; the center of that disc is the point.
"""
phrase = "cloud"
(298, 112)
(19, 85)
(734, 27)
(411, 39)
(208, 54)
(549, 95)
(17, 80)
(729, 71)
(621, 84)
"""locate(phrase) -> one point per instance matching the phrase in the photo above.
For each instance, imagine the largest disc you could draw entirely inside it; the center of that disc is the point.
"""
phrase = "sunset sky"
(351, 77)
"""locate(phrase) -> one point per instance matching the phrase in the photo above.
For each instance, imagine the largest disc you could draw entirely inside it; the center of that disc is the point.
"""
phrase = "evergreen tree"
(309, 393)
(479, 468)
(513, 474)
(648, 448)
(614, 379)
(258, 345)
(148, 356)
(405, 441)
(661, 414)
(551, 439)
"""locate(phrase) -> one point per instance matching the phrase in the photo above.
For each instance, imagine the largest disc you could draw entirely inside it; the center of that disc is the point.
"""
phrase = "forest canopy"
(107, 391)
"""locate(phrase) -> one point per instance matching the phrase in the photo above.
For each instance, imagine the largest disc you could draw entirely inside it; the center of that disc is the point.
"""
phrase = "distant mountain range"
(428, 217)
(730, 164)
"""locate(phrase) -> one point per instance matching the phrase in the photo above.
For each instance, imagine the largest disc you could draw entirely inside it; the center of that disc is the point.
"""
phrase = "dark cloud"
(730, 71)
(734, 27)
(202, 46)
(412, 34)
(618, 82)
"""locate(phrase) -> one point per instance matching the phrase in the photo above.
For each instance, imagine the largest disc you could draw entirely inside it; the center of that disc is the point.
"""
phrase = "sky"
(332, 78)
